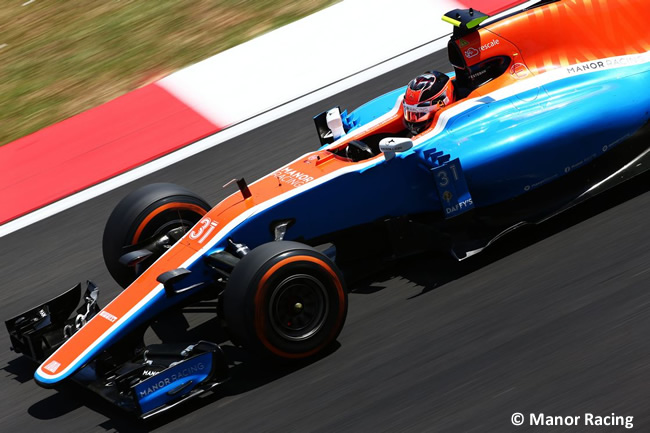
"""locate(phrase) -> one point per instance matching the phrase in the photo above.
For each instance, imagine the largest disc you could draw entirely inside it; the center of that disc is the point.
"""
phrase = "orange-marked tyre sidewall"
(176, 206)
(337, 306)
(142, 214)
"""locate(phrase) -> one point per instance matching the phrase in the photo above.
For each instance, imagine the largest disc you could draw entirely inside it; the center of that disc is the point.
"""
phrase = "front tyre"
(285, 300)
(154, 216)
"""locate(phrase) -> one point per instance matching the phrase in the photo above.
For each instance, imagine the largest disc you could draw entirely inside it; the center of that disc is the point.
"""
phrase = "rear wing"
(465, 21)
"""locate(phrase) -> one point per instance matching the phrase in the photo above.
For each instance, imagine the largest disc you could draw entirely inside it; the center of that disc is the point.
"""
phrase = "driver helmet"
(425, 95)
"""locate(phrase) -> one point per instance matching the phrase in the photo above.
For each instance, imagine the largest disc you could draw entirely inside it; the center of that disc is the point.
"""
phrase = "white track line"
(221, 136)
(232, 132)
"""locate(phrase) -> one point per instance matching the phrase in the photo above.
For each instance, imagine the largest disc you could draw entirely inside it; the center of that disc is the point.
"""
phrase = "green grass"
(65, 56)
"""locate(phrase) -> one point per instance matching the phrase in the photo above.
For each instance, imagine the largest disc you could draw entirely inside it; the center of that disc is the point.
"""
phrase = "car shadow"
(21, 369)
(246, 373)
(418, 270)
(249, 373)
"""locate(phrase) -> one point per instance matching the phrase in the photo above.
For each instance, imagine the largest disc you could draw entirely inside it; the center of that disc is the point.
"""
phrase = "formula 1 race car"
(551, 107)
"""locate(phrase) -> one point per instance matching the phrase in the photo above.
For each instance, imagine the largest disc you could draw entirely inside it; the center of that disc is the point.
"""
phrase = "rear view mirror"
(392, 145)
(329, 125)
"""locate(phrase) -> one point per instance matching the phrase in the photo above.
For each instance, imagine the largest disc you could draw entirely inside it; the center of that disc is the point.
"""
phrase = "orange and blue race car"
(549, 106)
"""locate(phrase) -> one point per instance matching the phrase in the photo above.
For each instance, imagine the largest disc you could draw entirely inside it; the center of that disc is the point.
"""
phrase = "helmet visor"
(423, 111)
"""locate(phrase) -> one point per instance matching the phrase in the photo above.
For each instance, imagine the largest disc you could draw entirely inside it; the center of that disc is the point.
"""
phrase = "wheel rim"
(169, 216)
(166, 228)
(298, 307)
(158, 234)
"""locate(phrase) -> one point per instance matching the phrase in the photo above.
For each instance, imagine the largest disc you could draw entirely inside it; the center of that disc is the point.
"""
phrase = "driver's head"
(425, 95)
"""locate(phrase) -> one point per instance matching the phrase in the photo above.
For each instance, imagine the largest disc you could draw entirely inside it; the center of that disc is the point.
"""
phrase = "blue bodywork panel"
(485, 151)
(452, 188)
(486, 165)
(506, 149)
(377, 107)
(170, 384)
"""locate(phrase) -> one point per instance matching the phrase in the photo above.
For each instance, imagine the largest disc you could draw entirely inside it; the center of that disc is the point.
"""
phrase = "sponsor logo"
(461, 205)
(519, 71)
(478, 74)
(52, 367)
(471, 52)
(108, 316)
(585, 67)
(543, 181)
(166, 381)
(607, 63)
(492, 43)
(292, 177)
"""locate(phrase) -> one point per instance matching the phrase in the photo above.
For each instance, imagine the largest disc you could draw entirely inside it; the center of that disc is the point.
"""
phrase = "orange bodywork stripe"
(265, 189)
(603, 29)
(116, 309)
(569, 33)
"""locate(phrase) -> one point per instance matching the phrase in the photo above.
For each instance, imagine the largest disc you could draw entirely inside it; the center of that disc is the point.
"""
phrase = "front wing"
(143, 380)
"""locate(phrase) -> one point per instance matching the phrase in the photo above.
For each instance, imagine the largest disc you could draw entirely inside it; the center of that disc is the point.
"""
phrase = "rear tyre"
(285, 300)
(145, 215)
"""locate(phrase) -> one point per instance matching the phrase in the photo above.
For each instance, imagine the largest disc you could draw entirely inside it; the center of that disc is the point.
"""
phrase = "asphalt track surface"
(553, 319)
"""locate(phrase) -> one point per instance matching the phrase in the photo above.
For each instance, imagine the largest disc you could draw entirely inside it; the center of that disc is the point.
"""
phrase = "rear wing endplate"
(465, 21)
